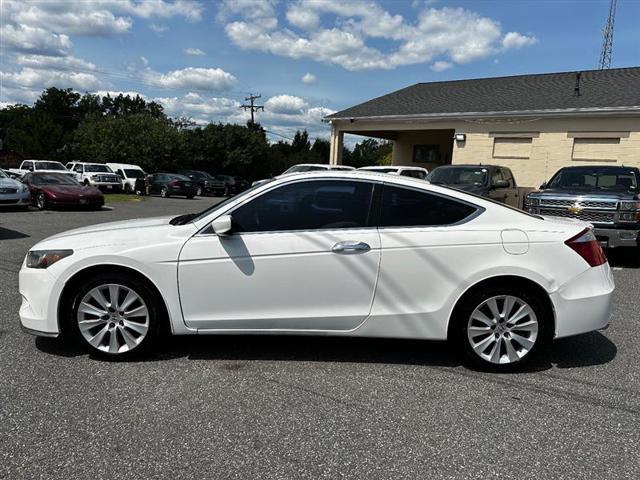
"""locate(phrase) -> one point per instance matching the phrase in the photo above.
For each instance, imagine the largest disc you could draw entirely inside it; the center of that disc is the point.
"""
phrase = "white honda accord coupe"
(355, 253)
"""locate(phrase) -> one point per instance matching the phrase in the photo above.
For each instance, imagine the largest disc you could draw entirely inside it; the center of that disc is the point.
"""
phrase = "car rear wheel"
(164, 193)
(41, 201)
(116, 316)
(198, 192)
(502, 328)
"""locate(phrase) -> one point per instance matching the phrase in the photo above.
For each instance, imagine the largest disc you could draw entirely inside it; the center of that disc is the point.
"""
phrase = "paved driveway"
(286, 407)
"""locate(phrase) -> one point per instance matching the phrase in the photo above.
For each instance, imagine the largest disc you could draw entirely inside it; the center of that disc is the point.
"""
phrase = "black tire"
(86, 183)
(198, 192)
(461, 323)
(41, 201)
(156, 315)
(190, 197)
(164, 193)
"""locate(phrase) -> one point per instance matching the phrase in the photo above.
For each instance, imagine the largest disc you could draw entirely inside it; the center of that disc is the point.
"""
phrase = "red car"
(58, 190)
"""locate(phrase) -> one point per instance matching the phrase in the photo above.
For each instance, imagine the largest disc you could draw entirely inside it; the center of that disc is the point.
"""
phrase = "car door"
(302, 256)
(513, 198)
(497, 193)
(157, 182)
(425, 255)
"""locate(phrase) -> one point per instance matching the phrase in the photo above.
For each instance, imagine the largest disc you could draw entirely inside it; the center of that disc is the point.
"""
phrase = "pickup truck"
(605, 196)
(44, 166)
(492, 181)
(96, 175)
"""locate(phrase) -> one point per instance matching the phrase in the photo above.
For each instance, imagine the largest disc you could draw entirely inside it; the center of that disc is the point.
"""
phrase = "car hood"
(581, 192)
(9, 183)
(70, 189)
(137, 224)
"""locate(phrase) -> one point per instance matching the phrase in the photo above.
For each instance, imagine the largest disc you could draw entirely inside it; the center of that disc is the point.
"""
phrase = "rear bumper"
(584, 304)
(615, 237)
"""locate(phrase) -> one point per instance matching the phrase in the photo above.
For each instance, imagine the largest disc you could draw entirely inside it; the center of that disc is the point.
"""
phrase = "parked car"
(42, 166)
(13, 193)
(322, 253)
(168, 184)
(59, 190)
(131, 176)
(206, 184)
(492, 181)
(241, 184)
(606, 196)
(97, 175)
(309, 167)
(403, 171)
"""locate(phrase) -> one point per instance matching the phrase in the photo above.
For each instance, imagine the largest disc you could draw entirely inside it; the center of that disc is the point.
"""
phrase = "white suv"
(403, 171)
(97, 175)
(130, 174)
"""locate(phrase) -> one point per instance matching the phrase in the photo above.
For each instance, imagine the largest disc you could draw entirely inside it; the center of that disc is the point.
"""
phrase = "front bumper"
(107, 187)
(616, 237)
(584, 303)
(22, 199)
(37, 287)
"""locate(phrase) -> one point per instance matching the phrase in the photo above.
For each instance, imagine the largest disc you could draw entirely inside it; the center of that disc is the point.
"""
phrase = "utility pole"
(607, 41)
(252, 107)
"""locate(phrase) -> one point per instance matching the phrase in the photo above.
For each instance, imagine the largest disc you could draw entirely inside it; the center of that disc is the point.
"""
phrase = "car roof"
(477, 165)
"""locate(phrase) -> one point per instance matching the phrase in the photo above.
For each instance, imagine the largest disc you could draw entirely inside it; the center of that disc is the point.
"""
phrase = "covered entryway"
(427, 148)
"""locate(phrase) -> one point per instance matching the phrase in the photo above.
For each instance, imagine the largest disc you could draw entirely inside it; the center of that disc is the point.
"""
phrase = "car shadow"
(9, 234)
(624, 257)
(581, 351)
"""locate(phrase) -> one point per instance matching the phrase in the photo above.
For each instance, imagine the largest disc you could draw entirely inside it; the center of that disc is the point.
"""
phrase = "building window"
(512, 147)
(429, 154)
(595, 149)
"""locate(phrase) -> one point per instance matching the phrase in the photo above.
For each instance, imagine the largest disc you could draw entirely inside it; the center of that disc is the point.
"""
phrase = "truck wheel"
(164, 193)
(199, 192)
(86, 183)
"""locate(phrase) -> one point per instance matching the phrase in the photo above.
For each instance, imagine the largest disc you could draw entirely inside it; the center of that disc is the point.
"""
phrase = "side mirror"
(543, 186)
(222, 225)
(501, 184)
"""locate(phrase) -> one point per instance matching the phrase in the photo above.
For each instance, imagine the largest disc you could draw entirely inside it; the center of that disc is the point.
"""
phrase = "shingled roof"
(615, 89)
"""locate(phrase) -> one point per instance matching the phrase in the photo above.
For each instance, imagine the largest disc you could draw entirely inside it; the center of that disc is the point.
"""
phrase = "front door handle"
(351, 247)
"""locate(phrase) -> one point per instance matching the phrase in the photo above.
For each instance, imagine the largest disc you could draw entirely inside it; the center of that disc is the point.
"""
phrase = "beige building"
(533, 124)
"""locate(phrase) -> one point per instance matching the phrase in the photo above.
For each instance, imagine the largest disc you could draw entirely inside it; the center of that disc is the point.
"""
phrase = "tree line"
(65, 125)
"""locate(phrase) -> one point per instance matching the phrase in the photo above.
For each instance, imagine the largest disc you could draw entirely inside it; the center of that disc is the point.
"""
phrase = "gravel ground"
(286, 407)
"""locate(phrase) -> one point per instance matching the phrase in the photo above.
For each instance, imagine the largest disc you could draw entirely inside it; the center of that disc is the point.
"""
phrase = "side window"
(508, 176)
(404, 207)
(314, 205)
(414, 174)
(121, 173)
(78, 168)
(496, 176)
(28, 166)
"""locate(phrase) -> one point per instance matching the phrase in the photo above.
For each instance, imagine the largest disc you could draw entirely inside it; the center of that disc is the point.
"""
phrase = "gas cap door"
(514, 241)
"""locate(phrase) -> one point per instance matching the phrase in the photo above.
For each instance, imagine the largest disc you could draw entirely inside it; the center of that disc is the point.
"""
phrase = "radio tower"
(607, 41)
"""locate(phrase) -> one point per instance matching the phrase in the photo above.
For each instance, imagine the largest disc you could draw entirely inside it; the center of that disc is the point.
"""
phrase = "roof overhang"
(564, 112)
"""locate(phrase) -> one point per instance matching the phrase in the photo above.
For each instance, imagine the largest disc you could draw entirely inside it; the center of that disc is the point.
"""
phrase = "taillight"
(174, 183)
(586, 245)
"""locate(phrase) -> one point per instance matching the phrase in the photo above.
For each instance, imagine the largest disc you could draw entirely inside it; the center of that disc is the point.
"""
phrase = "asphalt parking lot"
(288, 407)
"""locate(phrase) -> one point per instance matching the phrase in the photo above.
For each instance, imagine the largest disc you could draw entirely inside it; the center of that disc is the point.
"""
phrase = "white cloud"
(40, 79)
(457, 34)
(54, 63)
(441, 65)
(308, 79)
(194, 51)
(26, 39)
(214, 79)
(159, 29)
(285, 104)
(74, 21)
(517, 40)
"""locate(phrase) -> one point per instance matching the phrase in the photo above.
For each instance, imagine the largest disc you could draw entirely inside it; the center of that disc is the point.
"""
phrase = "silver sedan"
(13, 193)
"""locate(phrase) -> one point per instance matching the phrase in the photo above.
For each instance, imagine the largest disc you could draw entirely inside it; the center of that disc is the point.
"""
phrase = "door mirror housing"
(543, 186)
(222, 225)
(501, 184)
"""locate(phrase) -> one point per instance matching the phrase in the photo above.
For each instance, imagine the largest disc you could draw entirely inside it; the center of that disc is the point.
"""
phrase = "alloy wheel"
(199, 192)
(502, 329)
(113, 318)
(41, 201)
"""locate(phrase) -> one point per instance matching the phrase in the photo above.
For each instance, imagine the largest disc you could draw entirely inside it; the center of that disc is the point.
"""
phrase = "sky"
(307, 58)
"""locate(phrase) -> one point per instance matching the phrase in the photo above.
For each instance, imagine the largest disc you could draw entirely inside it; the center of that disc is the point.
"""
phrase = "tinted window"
(323, 204)
(413, 173)
(496, 176)
(459, 176)
(403, 207)
(508, 176)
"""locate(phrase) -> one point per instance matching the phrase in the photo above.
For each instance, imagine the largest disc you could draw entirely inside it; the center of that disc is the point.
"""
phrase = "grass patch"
(122, 197)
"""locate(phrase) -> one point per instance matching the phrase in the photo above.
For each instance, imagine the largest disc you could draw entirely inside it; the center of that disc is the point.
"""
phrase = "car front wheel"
(116, 316)
(502, 329)
(41, 201)
(164, 193)
(199, 192)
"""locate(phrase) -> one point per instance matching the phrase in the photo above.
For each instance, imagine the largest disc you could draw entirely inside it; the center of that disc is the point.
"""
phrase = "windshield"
(204, 213)
(97, 168)
(459, 176)
(133, 173)
(382, 170)
(610, 179)
(52, 179)
(50, 166)
(3, 175)
(175, 176)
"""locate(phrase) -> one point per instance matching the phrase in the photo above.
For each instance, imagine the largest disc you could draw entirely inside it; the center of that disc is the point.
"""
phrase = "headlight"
(532, 201)
(634, 206)
(45, 258)
(24, 188)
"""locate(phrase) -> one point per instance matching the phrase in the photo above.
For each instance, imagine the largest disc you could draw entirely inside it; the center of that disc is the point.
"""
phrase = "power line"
(254, 108)
(607, 41)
